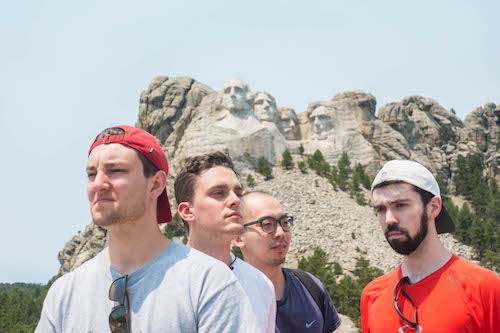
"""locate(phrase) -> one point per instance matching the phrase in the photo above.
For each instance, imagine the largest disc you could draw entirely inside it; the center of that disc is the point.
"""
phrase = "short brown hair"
(186, 179)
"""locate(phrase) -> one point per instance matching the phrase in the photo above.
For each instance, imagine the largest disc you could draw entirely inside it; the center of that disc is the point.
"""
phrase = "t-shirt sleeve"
(47, 323)
(490, 294)
(332, 319)
(272, 310)
(364, 310)
(229, 310)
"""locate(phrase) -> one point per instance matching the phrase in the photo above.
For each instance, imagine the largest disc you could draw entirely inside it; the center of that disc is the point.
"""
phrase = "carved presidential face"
(320, 120)
(288, 124)
(234, 96)
(265, 107)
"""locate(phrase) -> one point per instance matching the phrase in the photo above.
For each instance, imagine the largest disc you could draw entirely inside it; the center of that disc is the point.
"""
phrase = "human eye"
(90, 175)
(258, 102)
(267, 225)
(227, 90)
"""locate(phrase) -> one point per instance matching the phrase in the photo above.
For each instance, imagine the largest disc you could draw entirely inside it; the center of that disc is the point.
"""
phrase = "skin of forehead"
(285, 115)
(251, 201)
(236, 83)
(319, 111)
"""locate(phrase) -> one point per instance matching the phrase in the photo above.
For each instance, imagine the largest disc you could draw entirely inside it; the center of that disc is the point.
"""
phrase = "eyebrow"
(107, 165)
(224, 186)
(391, 203)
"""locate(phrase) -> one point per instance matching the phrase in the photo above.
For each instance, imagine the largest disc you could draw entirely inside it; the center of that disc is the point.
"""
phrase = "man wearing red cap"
(142, 281)
(432, 290)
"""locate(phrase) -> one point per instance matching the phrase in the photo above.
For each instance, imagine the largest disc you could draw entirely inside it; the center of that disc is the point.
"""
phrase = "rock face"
(482, 126)
(81, 248)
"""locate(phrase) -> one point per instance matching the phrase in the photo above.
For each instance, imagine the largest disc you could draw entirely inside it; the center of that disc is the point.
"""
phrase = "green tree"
(344, 169)
(237, 252)
(250, 180)
(301, 149)
(302, 166)
(287, 161)
(176, 227)
(446, 134)
(265, 169)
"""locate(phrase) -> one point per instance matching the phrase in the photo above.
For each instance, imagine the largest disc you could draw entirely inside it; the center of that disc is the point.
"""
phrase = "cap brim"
(444, 223)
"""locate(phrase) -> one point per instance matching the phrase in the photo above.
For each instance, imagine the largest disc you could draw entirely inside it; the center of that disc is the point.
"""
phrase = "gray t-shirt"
(181, 290)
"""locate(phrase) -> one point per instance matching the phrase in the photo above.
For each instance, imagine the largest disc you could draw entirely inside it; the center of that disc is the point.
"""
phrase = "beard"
(119, 215)
(408, 245)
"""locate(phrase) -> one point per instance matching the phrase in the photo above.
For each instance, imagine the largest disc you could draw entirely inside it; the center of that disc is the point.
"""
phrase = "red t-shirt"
(459, 297)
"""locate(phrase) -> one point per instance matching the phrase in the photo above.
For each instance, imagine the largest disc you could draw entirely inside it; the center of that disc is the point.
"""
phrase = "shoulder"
(87, 270)
(379, 285)
(247, 274)
(291, 273)
(472, 274)
(198, 263)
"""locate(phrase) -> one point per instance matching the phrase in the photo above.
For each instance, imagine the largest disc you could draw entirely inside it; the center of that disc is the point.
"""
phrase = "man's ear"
(185, 212)
(434, 207)
(159, 182)
(238, 241)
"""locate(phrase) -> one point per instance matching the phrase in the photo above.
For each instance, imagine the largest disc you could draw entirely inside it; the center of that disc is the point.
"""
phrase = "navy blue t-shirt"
(298, 312)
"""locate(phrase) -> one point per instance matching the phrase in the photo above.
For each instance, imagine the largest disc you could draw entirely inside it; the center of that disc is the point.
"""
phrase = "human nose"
(390, 217)
(234, 200)
(279, 232)
(99, 182)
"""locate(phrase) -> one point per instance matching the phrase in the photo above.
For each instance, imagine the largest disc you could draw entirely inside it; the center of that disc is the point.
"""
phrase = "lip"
(234, 214)
(395, 234)
(100, 201)
(279, 246)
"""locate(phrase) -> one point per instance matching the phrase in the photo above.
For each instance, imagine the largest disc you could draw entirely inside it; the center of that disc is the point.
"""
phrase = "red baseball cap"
(147, 145)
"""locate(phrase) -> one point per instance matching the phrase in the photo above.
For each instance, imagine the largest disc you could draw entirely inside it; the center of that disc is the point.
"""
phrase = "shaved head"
(253, 201)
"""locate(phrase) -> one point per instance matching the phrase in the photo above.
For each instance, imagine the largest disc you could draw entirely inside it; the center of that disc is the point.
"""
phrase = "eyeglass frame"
(276, 221)
(402, 281)
(123, 302)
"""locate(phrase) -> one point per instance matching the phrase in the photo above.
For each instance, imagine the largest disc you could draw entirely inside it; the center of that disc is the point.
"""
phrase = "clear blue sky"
(70, 69)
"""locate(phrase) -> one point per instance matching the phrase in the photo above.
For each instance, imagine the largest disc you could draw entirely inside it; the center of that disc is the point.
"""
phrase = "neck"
(430, 256)
(219, 249)
(133, 244)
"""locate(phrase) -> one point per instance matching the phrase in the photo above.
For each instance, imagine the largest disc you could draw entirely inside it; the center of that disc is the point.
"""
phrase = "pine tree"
(287, 161)
(301, 150)
(265, 169)
(250, 180)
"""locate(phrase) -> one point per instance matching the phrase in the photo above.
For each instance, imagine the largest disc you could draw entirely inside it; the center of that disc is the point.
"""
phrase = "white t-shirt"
(260, 291)
(181, 290)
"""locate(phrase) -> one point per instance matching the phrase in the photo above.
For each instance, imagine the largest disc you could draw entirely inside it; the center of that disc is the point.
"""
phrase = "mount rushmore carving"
(190, 118)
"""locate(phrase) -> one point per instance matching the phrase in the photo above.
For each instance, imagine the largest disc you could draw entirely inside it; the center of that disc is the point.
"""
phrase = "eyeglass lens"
(119, 316)
(398, 308)
(270, 224)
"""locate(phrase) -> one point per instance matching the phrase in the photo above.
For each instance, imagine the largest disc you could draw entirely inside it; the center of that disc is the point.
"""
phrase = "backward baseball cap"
(148, 147)
(415, 174)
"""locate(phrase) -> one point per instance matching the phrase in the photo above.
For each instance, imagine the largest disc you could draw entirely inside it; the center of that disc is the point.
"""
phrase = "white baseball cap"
(415, 174)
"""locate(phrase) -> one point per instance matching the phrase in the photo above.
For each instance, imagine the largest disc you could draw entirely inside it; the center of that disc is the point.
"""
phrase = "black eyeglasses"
(269, 223)
(119, 318)
(401, 282)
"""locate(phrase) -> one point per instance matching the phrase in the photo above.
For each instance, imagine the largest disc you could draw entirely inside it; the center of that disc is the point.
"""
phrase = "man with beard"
(432, 290)
(264, 244)
(142, 281)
